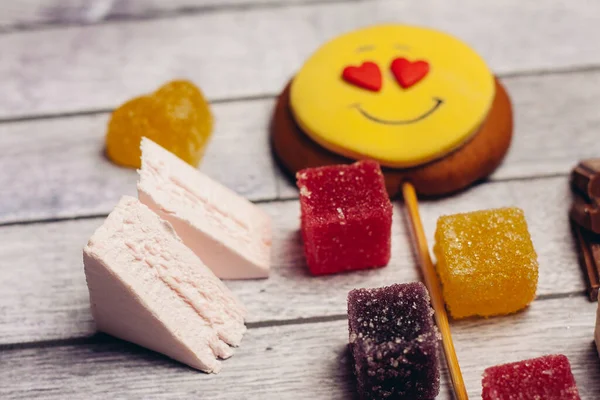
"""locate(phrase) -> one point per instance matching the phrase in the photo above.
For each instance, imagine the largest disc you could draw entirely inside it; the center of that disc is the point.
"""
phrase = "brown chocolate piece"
(586, 179)
(474, 161)
(589, 252)
(587, 215)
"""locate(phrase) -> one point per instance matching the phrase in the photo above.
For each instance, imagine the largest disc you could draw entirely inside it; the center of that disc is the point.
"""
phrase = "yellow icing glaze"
(395, 126)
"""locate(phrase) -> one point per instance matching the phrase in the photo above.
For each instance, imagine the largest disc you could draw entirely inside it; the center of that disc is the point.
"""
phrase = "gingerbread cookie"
(473, 161)
(419, 102)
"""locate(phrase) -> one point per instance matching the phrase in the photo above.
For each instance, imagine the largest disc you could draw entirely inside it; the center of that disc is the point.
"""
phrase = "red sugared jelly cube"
(548, 378)
(346, 217)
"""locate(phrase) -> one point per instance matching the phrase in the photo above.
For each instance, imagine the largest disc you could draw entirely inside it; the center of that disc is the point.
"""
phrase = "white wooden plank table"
(64, 65)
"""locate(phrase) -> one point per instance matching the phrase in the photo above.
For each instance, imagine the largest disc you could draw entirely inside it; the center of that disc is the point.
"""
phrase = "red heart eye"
(408, 73)
(366, 76)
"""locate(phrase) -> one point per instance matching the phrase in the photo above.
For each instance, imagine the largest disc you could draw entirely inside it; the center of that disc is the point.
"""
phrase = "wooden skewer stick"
(435, 290)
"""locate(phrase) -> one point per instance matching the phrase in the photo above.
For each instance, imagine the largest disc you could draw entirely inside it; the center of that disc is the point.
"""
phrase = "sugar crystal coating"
(544, 378)
(346, 217)
(394, 342)
(486, 262)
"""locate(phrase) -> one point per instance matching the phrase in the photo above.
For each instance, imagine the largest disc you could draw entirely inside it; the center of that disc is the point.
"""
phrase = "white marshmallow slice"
(231, 235)
(148, 288)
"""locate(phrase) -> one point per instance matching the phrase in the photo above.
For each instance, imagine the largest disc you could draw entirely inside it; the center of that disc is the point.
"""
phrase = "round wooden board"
(475, 160)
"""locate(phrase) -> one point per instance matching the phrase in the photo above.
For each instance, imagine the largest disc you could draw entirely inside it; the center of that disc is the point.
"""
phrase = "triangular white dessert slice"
(231, 235)
(148, 288)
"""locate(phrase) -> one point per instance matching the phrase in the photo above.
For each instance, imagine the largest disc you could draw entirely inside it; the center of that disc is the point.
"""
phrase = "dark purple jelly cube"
(394, 342)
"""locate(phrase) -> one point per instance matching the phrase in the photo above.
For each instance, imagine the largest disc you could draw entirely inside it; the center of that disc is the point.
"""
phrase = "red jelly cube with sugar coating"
(346, 217)
(548, 378)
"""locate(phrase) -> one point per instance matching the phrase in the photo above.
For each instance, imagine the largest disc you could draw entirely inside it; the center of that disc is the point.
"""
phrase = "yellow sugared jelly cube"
(486, 262)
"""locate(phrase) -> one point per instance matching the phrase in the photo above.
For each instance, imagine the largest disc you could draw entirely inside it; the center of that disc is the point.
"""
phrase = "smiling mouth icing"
(437, 103)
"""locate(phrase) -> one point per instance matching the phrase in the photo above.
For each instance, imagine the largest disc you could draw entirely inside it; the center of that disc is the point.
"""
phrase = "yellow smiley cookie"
(398, 94)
